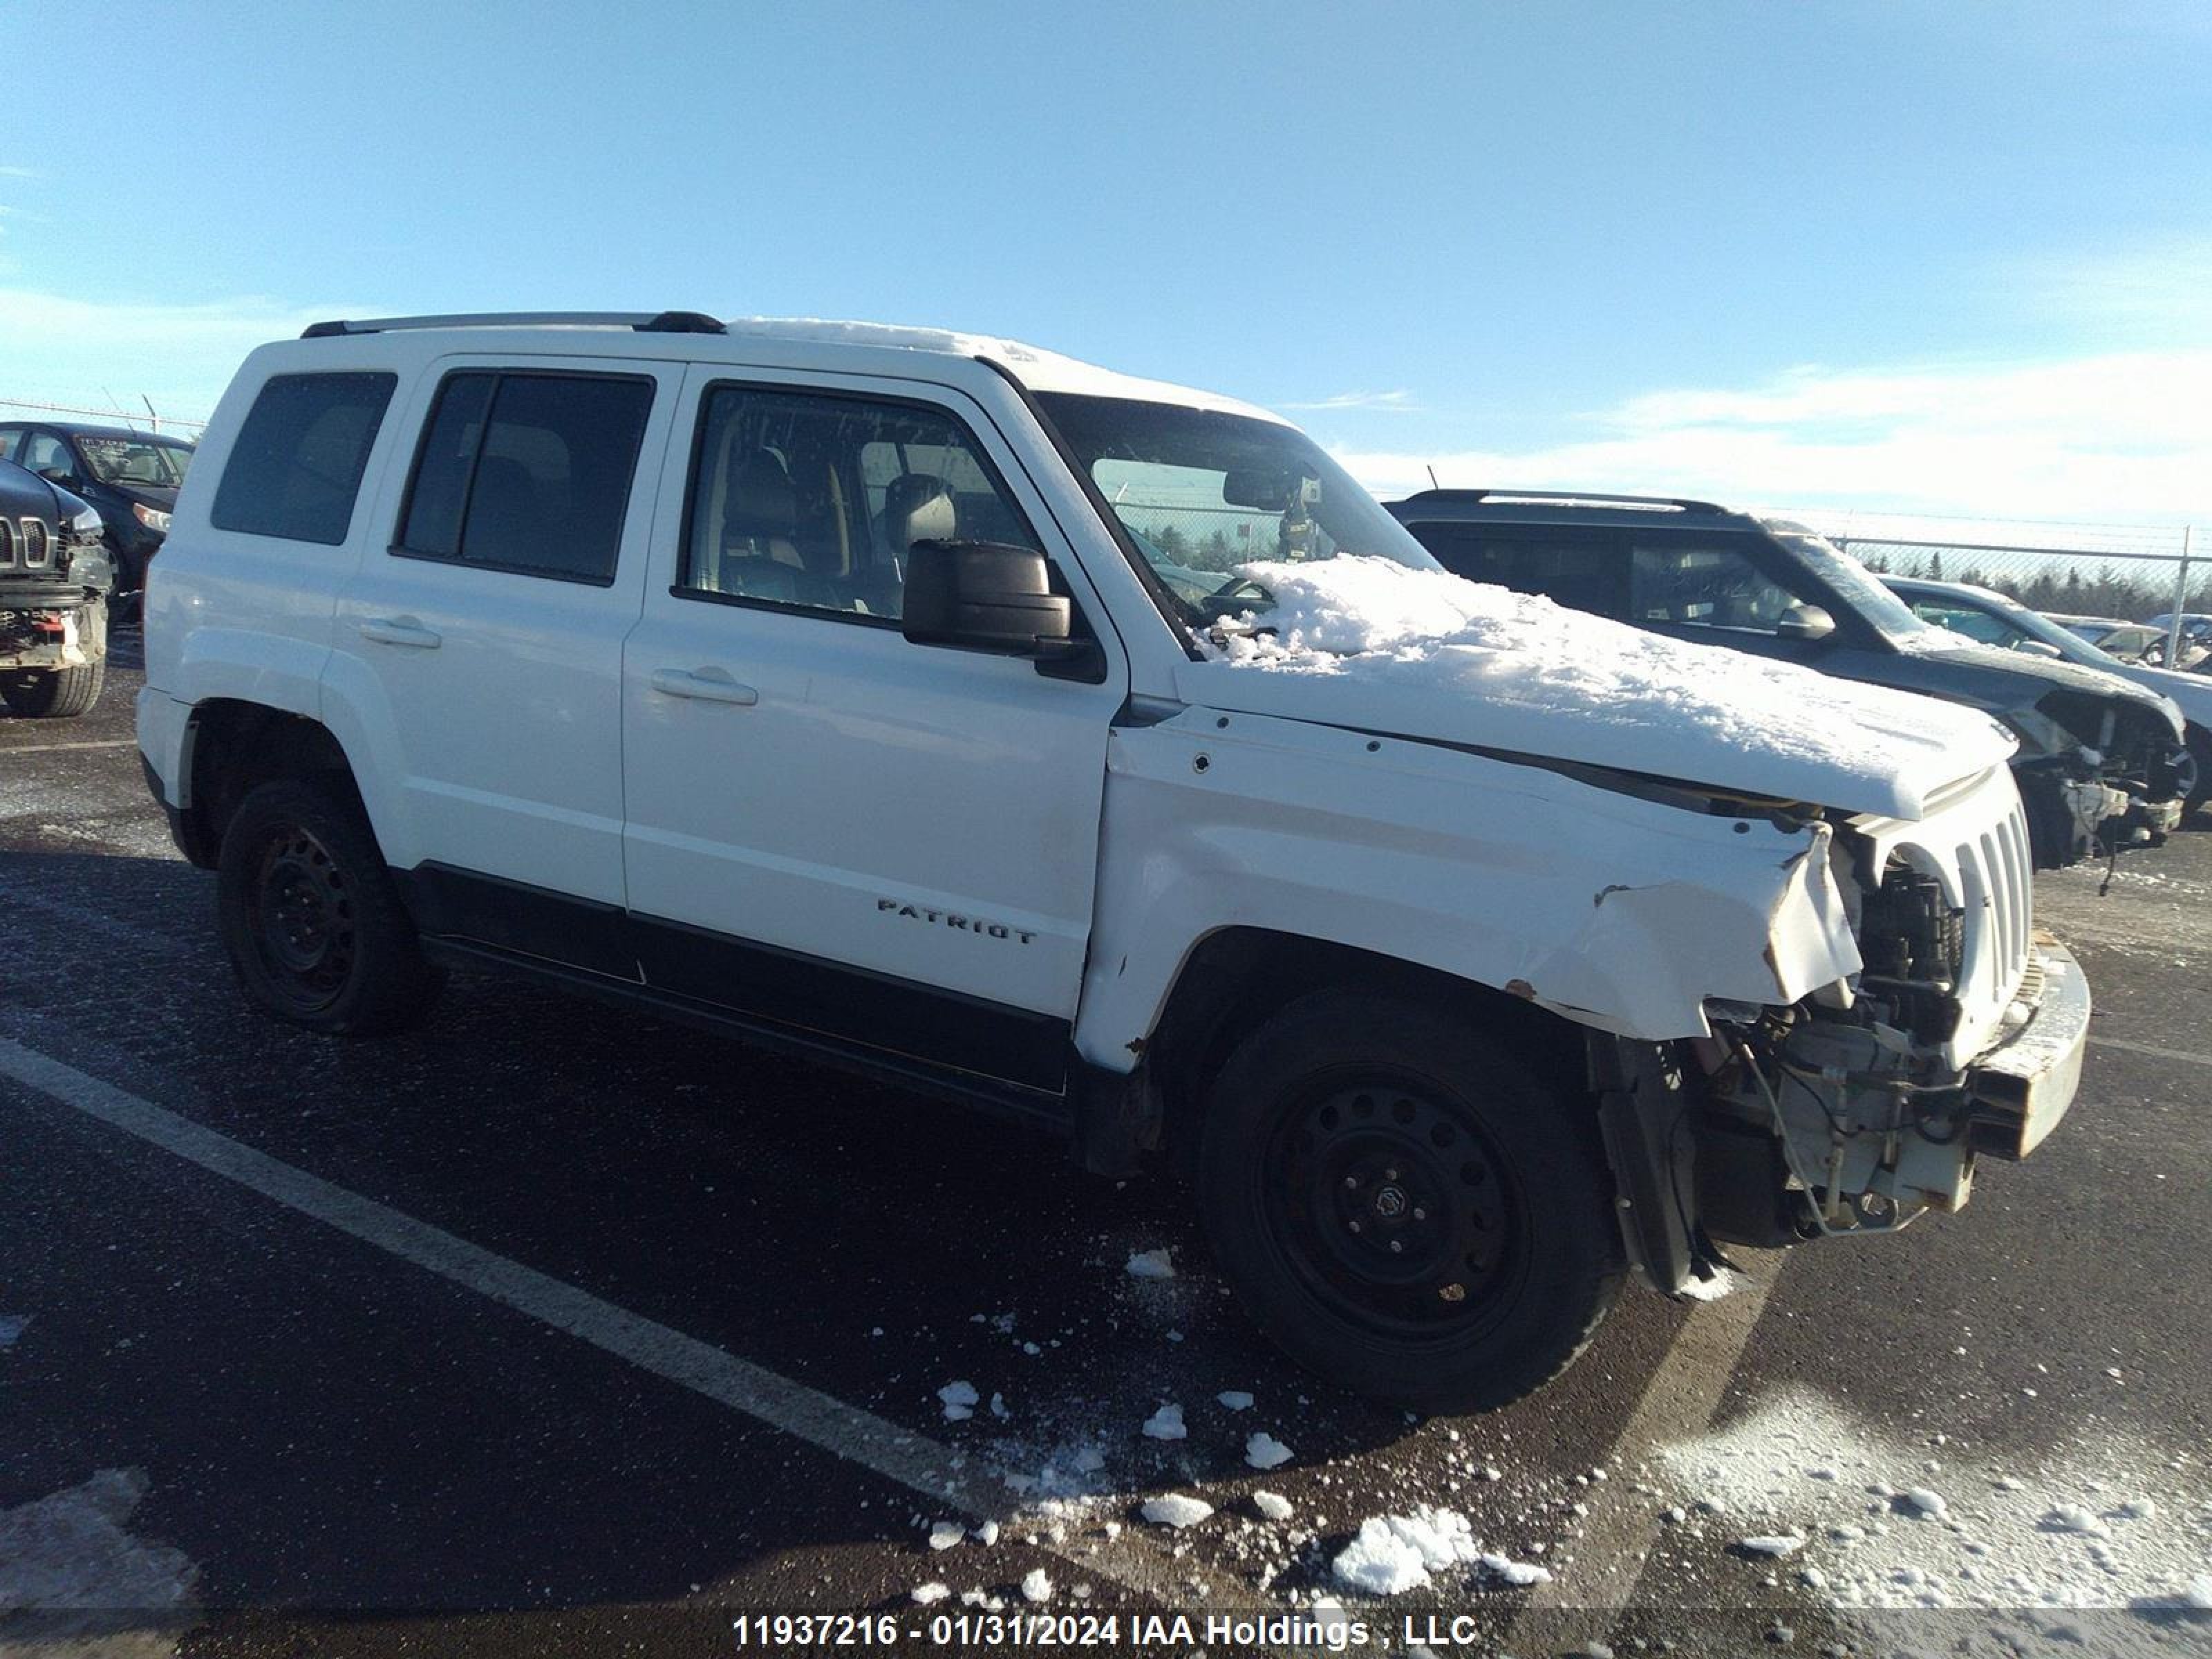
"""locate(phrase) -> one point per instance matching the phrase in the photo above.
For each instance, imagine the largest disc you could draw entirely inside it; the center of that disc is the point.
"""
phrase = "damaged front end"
(2099, 777)
(51, 581)
(1865, 1104)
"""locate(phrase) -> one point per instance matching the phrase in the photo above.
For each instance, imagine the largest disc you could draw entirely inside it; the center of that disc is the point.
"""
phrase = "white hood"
(1382, 647)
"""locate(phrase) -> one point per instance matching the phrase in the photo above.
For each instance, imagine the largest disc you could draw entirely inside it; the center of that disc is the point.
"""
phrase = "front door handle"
(400, 630)
(709, 684)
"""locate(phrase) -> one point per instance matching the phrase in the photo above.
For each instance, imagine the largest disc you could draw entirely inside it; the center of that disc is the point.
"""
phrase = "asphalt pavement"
(549, 1326)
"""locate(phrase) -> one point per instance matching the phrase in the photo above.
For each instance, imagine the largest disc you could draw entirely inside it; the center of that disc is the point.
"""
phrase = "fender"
(1621, 914)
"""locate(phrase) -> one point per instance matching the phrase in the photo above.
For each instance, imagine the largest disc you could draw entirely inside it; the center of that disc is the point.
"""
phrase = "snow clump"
(1152, 1264)
(1166, 1424)
(959, 1398)
(1174, 1510)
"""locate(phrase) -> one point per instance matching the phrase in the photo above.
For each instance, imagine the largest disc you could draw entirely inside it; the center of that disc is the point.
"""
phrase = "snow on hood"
(1371, 643)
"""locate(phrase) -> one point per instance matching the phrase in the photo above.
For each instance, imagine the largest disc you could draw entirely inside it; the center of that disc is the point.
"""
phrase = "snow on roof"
(1036, 368)
(1481, 664)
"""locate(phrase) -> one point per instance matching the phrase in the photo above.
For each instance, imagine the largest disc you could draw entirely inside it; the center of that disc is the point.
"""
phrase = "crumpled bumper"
(2022, 1085)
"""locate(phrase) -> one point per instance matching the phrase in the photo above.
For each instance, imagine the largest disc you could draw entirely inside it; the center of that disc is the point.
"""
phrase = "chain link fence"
(145, 418)
(2129, 573)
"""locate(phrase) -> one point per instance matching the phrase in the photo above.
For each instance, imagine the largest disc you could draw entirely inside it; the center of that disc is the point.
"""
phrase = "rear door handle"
(400, 630)
(709, 684)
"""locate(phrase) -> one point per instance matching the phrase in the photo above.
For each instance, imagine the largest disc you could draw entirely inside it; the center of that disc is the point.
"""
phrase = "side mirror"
(60, 475)
(987, 596)
(1805, 622)
(2038, 648)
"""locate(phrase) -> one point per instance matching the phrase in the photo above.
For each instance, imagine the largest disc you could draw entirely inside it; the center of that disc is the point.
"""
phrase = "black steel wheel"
(309, 914)
(1402, 1207)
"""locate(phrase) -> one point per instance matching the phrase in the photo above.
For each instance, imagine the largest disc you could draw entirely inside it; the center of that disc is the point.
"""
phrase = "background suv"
(1982, 614)
(130, 477)
(2102, 764)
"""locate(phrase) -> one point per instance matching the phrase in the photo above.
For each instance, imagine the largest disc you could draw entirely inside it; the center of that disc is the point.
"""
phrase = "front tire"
(310, 918)
(1400, 1206)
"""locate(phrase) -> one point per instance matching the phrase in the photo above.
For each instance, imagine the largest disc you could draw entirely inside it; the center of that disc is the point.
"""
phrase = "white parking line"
(1677, 1404)
(2150, 1049)
(937, 1472)
(64, 748)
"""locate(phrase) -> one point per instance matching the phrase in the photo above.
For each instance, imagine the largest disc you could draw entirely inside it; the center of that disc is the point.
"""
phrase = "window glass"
(812, 500)
(528, 472)
(1974, 624)
(1586, 573)
(440, 489)
(44, 452)
(1706, 587)
(296, 466)
(148, 461)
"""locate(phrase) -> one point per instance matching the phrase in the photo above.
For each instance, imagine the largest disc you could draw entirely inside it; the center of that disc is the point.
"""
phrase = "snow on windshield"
(1378, 621)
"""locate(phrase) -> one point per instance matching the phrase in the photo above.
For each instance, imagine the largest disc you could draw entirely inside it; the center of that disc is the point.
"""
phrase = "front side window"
(814, 500)
(527, 472)
(297, 463)
(1701, 585)
(1976, 624)
(1201, 492)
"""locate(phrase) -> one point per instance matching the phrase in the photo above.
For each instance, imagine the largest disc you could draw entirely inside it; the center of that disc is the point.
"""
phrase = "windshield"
(1201, 492)
(135, 460)
(1855, 584)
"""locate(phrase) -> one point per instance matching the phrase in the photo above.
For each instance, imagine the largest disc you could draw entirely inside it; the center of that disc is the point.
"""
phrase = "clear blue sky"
(1766, 244)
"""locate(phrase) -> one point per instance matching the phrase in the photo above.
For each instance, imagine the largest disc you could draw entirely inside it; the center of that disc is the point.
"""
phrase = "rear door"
(886, 843)
(476, 654)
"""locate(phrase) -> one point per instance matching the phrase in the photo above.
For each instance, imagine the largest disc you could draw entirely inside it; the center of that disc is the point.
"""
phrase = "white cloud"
(64, 351)
(2107, 436)
(1381, 400)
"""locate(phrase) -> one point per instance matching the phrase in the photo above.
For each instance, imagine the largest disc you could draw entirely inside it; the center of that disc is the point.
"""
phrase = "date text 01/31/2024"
(781, 1632)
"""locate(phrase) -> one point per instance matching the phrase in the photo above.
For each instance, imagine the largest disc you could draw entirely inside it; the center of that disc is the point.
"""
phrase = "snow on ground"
(2104, 1524)
(1710, 1290)
(1174, 1508)
(1166, 1424)
(1264, 1451)
(68, 1561)
(1152, 1264)
(1522, 672)
(959, 1398)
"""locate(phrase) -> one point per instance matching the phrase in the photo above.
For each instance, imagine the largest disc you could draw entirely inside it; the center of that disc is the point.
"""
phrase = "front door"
(827, 826)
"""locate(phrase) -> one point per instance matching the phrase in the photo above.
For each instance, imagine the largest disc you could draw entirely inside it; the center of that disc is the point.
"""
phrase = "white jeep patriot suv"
(1098, 752)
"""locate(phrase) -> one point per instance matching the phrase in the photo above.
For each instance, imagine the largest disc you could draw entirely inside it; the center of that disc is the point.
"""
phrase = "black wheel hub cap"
(303, 919)
(1391, 1204)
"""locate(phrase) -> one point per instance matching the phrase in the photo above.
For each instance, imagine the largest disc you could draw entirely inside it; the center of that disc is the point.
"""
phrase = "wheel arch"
(232, 746)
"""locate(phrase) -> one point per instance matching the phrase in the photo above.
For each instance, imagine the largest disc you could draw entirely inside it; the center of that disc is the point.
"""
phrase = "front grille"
(1994, 871)
(35, 546)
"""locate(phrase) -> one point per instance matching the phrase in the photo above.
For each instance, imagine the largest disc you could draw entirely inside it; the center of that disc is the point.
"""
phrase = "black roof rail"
(642, 322)
(1598, 497)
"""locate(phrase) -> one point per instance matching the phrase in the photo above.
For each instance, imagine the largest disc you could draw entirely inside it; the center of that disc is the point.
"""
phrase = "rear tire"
(311, 917)
(1351, 1123)
(63, 694)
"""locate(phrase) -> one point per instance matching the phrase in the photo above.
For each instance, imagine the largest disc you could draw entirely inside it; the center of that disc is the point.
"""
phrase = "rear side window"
(296, 466)
(527, 472)
(1588, 572)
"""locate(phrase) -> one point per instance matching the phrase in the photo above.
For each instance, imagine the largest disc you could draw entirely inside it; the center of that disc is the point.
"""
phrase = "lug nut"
(1397, 1247)
(1420, 1214)
(1352, 1181)
(1355, 1226)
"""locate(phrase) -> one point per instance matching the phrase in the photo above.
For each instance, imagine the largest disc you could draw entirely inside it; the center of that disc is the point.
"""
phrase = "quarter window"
(527, 472)
(812, 500)
(297, 463)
